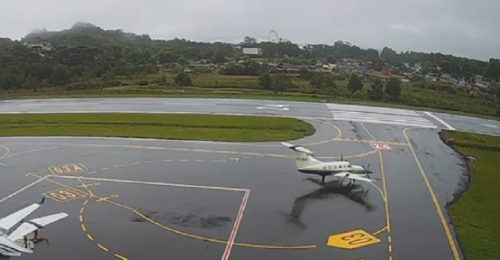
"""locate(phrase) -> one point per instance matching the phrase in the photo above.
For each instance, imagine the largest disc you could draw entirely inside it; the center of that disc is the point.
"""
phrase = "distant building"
(251, 51)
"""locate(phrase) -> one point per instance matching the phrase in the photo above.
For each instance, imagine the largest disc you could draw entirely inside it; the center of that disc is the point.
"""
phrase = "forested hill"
(85, 51)
(85, 34)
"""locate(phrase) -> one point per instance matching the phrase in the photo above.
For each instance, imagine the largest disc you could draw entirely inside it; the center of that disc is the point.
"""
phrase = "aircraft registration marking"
(68, 168)
(352, 239)
(64, 194)
(380, 146)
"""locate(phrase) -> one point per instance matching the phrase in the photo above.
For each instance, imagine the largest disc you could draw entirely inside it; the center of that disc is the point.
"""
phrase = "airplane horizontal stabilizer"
(298, 148)
(11, 220)
(29, 226)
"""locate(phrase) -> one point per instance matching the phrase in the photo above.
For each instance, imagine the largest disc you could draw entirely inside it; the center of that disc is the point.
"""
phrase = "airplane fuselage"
(329, 168)
(9, 248)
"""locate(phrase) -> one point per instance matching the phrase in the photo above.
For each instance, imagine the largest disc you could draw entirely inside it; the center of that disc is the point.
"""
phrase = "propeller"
(367, 170)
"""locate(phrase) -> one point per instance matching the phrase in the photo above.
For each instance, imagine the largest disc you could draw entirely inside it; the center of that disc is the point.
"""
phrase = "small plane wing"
(11, 220)
(352, 176)
(29, 226)
(298, 148)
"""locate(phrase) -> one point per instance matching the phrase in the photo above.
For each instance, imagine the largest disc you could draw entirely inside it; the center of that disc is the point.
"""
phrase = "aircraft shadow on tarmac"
(329, 190)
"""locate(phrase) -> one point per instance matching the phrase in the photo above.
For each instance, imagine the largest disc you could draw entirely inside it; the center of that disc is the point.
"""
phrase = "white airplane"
(307, 163)
(16, 243)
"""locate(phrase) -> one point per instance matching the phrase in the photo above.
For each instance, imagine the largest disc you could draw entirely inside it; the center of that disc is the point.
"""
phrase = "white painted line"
(150, 183)
(377, 115)
(440, 121)
(372, 109)
(236, 226)
(387, 122)
(23, 189)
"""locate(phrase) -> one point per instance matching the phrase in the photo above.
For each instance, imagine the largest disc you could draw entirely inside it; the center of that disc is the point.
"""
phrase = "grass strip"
(168, 126)
(476, 215)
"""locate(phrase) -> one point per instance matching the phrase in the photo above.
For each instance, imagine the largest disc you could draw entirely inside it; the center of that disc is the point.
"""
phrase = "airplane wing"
(11, 220)
(352, 176)
(29, 226)
(298, 148)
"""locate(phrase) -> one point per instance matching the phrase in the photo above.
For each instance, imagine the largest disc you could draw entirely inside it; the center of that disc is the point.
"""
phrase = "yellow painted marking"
(63, 194)
(380, 231)
(367, 131)
(102, 247)
(349, 156)
(81, 218)
(83, 227)
(444, 223)
(370, 141)
(90, 237)
(81, 210)
(106, 198)
(390, 248)
(86, 187)
(120, 256)
(386, 201)
(352, 239)
(337, 129)
(389, 239)
(67, 168)
(203, 238)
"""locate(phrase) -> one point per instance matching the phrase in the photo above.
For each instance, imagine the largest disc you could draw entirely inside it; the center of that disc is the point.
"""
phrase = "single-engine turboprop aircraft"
(307, 163)
(16, 243)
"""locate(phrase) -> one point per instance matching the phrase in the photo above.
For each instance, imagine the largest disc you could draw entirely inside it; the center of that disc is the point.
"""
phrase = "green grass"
(171, 126)
(476, 215)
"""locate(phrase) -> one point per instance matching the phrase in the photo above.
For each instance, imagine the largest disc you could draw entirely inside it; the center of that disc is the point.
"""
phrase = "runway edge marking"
(440, 121)
(444, 222)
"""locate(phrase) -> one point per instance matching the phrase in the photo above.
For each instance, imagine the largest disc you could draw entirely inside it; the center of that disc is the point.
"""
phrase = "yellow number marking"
(67, 168)
(352, 239)
(63, 194)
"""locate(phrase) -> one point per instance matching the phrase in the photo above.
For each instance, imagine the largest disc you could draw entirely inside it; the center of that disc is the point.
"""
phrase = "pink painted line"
(236, 225)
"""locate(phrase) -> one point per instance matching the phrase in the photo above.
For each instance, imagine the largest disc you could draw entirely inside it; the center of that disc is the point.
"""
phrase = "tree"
(265, 80)
(355, 83)
(281, 84)
(249, 40)
(393, 88)
(377, 91)
(316, 80)
(183, 79)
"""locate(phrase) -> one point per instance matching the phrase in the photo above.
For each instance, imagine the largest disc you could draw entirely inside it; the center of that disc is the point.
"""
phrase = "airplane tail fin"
(304, 158)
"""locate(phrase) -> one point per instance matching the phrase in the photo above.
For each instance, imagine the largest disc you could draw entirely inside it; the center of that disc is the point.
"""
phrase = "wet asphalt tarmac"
(160, 199)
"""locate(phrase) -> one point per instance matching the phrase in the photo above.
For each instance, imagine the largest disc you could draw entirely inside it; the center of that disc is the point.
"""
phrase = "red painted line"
(236, 225)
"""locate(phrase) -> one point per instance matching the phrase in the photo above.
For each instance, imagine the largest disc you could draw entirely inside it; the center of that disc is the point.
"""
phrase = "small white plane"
(307, 163)
(16, 243)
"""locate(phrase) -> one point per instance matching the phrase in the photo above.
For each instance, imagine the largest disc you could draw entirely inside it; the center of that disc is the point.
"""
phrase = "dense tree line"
(86, 53)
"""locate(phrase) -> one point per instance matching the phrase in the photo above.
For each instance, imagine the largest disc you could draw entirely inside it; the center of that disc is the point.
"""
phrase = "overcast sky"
(468, 28)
